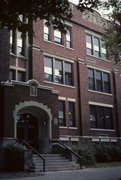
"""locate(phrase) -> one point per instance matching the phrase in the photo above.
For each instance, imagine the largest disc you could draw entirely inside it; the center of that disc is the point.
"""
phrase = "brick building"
(59, 86)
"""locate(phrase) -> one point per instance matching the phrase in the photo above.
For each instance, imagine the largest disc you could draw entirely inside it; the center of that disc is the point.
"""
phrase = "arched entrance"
(33, 124)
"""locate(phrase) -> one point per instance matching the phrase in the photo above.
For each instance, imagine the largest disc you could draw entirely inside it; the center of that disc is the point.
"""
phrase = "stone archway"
(40, 112)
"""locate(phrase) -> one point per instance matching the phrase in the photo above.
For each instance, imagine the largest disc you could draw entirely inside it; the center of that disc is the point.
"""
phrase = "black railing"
(71, 151)
(36, 152)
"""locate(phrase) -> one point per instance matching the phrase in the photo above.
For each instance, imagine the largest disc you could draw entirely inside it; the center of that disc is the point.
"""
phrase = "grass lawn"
(108, 164)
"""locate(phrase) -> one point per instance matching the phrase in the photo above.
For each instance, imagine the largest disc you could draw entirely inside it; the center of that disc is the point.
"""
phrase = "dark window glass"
(108, 118)
(68, 74)
(62, 121)
(21, 76)
(58, 72)
(12, 74)
(91, 79)
(93, 116)
(106, 82)
(71, 114)
(99, 81)
(48, 69)
(101, 117)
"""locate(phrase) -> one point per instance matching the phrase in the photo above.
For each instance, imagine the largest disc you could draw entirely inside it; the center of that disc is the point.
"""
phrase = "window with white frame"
(46, 31)
(62, 118)
(95, 46)
(57, 36)
(58, 71)
(68, 38)
(71, 114)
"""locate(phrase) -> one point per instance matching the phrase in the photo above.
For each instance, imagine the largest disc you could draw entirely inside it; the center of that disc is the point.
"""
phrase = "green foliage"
(98, 153)
(13, 154)
(87, 152)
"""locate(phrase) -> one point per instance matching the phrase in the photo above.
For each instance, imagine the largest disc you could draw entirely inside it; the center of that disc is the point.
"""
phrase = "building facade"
(59, 86)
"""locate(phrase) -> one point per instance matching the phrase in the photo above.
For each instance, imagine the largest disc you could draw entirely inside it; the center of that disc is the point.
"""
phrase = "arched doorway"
(27, 129)
(33, 125)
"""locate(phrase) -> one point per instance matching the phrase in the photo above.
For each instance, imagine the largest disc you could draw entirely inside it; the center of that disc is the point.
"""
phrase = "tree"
(54, 11)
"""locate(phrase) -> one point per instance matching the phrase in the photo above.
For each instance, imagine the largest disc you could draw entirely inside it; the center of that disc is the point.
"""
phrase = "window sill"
(107, 94)
(61, 45)
(73, 128)
(98, 58)
(47, 41)
(109, 130)
(62, 127)
(59, 84)
(70, 48)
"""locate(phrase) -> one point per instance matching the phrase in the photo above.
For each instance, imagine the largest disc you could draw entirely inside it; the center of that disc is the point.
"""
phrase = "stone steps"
(53, 162)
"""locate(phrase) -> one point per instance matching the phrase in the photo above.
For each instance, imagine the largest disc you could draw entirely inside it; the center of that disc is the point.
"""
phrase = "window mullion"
(53, 69)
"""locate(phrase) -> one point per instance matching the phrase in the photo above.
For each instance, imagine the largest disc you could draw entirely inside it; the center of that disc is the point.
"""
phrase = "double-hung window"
(99, 80)
(71, 114)
(101, 117)
(58, 71)
(95, 46)
(62, 119)
(46, 32)
(68, 38)
(57, 36)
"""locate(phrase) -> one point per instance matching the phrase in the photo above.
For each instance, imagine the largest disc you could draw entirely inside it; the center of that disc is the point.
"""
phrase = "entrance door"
(27, 129)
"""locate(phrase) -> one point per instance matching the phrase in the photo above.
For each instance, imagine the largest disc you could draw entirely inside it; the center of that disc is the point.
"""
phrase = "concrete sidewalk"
(111, 173)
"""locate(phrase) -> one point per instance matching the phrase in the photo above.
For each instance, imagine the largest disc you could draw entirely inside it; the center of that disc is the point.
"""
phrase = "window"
(48, 69)
(95, 46)
(57, 36)
(21, 76)
(12, 74)
(98, 81)
(101, 117)
(46, 32)
(68, 38)
(71, 114)
(17, 42)
(58, 71)
(62, 120)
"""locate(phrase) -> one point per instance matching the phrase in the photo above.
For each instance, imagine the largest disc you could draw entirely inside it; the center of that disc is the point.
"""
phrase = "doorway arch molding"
(35, 104)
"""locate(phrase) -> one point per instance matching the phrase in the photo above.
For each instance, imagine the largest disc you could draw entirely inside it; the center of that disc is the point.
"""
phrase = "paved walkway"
(112, 173)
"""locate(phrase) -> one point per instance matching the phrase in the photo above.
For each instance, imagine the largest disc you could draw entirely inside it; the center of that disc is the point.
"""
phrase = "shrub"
(87, 152)
(13, 154)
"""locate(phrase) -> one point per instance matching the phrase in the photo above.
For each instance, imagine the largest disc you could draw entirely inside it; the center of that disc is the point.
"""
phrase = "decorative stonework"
(95, 18)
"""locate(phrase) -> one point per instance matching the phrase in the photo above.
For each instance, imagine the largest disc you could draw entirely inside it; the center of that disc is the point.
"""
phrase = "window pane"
(21, 76)
(58, 72)
(48, 69)
(96, 47)
(91, 79)
(108, 118)
(103, 50)
(89, 44)
(46, 32)
(99, 81)
(68, 73)
(68, 38)
(71, 114)
(62, 121)
(106, 83)
(12, 74)
(57, 37)
(100, 117)
(93, 117)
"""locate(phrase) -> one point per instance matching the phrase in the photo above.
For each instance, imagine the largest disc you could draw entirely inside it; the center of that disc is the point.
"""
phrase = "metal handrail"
(36, 152)
(69, 149)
